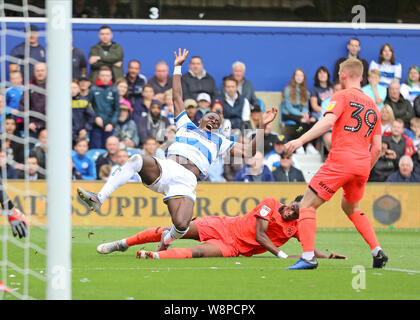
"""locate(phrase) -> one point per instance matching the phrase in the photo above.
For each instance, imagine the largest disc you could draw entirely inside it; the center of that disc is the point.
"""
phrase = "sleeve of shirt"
(398, 71)
(373, 65)
(265, 209)
(182, 119)
(336, 105)
(246, 111)
(225, 146)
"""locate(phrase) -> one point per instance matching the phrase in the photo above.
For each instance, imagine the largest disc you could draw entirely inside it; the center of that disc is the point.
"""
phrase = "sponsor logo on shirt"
(331, 105)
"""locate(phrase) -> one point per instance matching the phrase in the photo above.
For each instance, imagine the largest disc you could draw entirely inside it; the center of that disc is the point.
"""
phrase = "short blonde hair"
(387, 108)
(353, 66)
(374, 72)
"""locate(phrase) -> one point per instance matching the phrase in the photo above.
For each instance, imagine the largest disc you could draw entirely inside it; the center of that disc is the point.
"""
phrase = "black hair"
(316, 80)
(298, 198)
(105, 27)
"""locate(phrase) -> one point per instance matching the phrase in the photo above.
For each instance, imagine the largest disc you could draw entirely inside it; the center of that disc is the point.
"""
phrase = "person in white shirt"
(411, 89)
(387, 65)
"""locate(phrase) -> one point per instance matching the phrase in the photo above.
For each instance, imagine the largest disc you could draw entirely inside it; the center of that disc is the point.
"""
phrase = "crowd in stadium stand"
(117, 114)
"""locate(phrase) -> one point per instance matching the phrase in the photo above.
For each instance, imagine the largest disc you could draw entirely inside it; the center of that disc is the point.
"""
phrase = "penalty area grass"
(121, 276)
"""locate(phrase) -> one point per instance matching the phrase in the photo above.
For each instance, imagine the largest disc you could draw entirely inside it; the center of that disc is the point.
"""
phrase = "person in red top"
(265, 228)
(356, 146)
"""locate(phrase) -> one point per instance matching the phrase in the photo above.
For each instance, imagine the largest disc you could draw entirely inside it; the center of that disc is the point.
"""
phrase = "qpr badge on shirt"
(264, 211)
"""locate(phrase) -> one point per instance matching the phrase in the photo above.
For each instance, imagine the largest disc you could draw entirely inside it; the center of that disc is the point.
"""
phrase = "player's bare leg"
(307, 230)
(147, 167)
(181, 210)
(363, 225)
(205, 250)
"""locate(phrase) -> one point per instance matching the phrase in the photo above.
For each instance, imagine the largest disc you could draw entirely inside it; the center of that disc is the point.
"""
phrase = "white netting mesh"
(22, 261)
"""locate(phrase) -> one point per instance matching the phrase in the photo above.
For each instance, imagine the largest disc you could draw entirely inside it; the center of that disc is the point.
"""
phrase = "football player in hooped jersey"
(265, 228)
(189, 157)
(356, 146)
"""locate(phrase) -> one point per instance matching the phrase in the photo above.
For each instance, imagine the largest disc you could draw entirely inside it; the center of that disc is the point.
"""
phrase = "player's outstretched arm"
(317, 130)
(322, 255)
(249, 150)
(180, 57)
(262, 238)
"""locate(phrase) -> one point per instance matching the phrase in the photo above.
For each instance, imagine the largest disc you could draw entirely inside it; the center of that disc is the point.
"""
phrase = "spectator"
(399, 142)
(390, 69)
(321, 90)
(326, 137)
(79, 63)
(245, 87)
(37, 100)
(37, 53)
(287, 172)
(353, 49)
(106, 53)
(161, 81)
(75, 175)
(83, 116)
(136, 81)
(295, 104)
(82, 163)
(273, 158)
(387, 117)
(40, 149)
(374, 90)
(270, 138)
(11, 172)
(14, 149)
(168, 107)
(126, 129)
(254, 170)
(411, 89)
(255, 117)
(384, 166)
(416, 106)
(84, 85)
(112, 146)
(142, 106)
(415, 129)
(122, 158)
(33, 170)
(170, 134)
(122, 86)
(402, 108)
(104, 98)
(151, 148)
(13, 96)
(104, 172)
(416, 162)
(153, 124)
(226, 127)
(236, 108)
(232, 164)
(215, 171)
(204, 102)
(197, 80)
(405, 172)
(191, 107)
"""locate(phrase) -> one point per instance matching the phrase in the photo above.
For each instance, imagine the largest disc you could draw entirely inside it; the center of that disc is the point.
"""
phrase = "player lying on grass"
(15, 217)
(265, 228)
(189, 157)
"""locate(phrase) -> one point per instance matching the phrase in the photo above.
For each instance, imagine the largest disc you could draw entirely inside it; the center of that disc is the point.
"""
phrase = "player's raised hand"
(180, 57)
(269, 116)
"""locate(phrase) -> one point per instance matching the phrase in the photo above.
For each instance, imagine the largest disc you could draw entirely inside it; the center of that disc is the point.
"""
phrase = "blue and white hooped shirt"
(410, 92)
(388, 71)
(199, 146)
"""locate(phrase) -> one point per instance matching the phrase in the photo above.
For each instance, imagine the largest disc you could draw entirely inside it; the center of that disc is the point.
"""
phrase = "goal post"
(59, 149)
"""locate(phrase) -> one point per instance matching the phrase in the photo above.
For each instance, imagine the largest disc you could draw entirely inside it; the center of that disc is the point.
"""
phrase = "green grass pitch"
(120, 276)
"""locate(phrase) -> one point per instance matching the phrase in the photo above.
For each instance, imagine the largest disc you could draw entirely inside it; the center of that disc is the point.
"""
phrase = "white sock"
(121, 176)
(375, 251)
(174, 234)
(308, 255)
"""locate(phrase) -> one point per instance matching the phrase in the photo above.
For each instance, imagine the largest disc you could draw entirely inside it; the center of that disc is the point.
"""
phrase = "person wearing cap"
(273, 158)
(126, 129)
(84, 85)
(255, 117)
(83, 116)
(37, 52)
(191, 107)
(286, 172)
(153, 124)
(204, 102)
